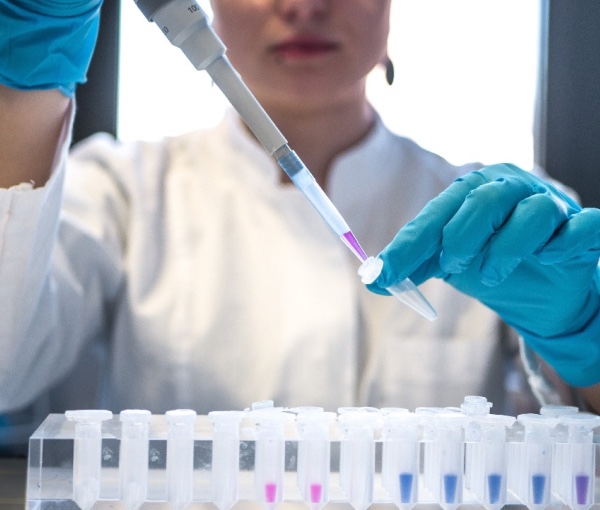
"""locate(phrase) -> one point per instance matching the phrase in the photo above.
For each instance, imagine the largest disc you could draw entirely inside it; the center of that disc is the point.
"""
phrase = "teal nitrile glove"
(47, 44)
(523, 248)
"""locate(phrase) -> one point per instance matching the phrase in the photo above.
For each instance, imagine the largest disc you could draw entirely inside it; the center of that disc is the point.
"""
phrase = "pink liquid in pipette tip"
(315, 492)
(270, 492)
(351, 242)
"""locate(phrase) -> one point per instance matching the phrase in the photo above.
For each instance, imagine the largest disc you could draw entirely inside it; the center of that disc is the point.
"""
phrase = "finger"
(579, 236)
(482, 214)
(532, 223)
(420, 239)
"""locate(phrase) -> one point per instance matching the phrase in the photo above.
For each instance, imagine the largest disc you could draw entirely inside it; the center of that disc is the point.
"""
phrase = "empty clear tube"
(187, 26)
(225, 457)
(560, 437)
(473, 406)
(180, 457)
(357, 458)
(87, 460)
(133, 457)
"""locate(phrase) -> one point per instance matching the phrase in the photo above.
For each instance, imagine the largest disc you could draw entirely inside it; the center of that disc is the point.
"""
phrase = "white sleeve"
(49, 305)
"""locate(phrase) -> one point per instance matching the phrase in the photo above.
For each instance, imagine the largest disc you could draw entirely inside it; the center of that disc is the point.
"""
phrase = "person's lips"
(301, 47)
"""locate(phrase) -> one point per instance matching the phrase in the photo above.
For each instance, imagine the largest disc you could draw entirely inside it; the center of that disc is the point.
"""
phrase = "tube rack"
(269, 455)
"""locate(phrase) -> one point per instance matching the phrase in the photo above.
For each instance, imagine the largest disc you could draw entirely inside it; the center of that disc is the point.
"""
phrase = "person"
(189, 272)
(524, 248)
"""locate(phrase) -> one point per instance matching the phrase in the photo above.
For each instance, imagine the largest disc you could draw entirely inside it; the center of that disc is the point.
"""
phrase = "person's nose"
(302, 10)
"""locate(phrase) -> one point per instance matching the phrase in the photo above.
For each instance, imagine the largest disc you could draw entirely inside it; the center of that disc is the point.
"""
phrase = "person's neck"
(320, 135)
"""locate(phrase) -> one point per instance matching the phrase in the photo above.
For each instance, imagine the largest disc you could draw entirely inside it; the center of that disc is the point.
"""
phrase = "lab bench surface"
(13, 473)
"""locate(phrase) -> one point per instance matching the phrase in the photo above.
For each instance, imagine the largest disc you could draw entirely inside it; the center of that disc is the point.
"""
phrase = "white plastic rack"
(268, 455)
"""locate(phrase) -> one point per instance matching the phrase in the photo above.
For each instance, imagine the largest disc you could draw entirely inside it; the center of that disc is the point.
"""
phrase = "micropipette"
(187, 26)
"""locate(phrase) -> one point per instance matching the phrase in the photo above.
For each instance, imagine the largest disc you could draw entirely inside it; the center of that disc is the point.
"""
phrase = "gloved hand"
(523, 248)
(47, 44)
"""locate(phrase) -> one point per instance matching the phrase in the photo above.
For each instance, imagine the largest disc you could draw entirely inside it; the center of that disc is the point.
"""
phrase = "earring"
(389, 70)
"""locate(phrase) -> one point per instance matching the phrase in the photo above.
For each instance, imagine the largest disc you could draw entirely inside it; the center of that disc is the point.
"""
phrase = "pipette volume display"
(187, 26)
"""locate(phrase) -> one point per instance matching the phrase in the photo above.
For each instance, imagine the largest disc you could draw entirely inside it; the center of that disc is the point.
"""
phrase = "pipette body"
(187, 26)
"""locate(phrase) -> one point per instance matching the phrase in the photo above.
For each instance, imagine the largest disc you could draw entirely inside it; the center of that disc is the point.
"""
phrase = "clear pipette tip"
(406, 291)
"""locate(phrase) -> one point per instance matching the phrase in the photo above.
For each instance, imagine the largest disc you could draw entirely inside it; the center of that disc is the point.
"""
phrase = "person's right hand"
(522, 247)
(47, 44)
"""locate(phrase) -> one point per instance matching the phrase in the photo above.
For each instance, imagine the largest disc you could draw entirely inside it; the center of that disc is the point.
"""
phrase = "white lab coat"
(182, 273)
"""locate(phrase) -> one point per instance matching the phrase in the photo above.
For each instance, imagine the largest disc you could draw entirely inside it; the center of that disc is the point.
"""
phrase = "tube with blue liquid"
(486, 463)
(401, 457)
(532, 483)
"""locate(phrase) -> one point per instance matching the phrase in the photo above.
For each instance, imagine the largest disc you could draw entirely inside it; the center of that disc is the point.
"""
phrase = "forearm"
(591, 395)
(30, 127)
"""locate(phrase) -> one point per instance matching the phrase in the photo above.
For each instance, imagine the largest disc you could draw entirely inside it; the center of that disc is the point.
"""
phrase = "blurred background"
(493, 81)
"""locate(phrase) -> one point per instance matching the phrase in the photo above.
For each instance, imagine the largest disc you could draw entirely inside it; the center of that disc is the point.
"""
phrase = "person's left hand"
(47, 44)
(520, 246)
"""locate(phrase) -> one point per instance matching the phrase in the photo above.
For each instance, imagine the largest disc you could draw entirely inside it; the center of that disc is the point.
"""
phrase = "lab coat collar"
(376, 140)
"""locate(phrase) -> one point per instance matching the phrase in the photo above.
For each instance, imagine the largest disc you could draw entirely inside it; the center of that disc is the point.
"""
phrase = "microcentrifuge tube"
(533, 487)
(314, 453)
(269, 464)
(486, 461)
(225, 457)
(431, 445)
(87, 460)
(133, 457)
(576, 474)
(180, 457)
(560, 438)
(406, 291)
(357, 456)
(400, 457)
(473, 406)
(446, 483)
